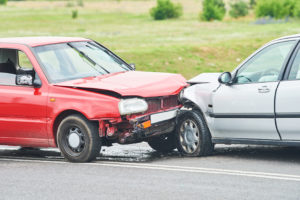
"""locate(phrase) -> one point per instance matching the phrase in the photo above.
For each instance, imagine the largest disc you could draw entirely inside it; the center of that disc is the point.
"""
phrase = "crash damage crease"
(129, 129)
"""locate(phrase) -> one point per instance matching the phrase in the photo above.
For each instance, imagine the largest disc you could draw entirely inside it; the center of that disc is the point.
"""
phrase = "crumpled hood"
(132, 83)
(205, 78)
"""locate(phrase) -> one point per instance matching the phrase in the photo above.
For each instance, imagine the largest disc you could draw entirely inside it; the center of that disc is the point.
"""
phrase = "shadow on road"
(132, 153)
(256, 152)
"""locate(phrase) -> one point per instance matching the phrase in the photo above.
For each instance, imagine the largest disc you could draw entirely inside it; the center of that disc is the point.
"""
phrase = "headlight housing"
(134, 105)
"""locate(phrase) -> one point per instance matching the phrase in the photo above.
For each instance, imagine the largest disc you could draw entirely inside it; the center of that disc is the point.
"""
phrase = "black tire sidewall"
(92, 139)
(204, 143)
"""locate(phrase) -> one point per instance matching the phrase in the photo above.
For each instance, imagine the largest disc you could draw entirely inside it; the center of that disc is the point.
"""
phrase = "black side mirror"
(24, 79)
(132, 65)
(225, 78)
(27, 79)
(37, 83)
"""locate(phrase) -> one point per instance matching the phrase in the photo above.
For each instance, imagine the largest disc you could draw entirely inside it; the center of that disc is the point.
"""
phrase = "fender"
(200, 94)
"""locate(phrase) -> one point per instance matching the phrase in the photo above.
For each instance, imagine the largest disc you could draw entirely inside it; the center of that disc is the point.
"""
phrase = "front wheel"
(192, 135)
(163, 143)
(78, 139)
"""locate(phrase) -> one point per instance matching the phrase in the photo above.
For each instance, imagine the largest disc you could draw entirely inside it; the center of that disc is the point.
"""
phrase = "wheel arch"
(60, 117)
(190, 105)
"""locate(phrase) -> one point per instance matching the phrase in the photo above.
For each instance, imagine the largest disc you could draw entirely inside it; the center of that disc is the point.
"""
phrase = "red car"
(75, 94)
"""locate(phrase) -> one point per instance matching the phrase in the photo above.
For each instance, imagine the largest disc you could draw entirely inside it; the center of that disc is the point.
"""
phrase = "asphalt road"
(137, 172)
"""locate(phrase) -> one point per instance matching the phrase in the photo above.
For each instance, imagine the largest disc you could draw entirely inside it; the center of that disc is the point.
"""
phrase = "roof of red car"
(38, 41)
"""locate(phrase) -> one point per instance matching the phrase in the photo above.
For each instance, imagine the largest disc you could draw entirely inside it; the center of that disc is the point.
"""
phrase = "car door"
(245, 109)
(288, 101)
(22, 108)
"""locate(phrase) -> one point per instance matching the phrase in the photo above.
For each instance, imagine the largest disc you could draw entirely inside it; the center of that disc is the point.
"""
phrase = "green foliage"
(166, 9)
(3, 2)
(74, 14)
(70, 4)
(296, 12)
(213, 9)
(238, 9)
(275, 8)
(80, 3)
(252, 3)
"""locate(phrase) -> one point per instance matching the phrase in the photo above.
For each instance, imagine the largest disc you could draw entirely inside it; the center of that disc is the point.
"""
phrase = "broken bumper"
(150, 125)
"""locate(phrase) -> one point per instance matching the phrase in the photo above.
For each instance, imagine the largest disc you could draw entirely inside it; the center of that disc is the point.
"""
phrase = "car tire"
(78, 139)
(164, 143)
(192, 134)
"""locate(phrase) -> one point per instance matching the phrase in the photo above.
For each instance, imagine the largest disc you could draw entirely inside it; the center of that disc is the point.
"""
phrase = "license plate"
(163, 116)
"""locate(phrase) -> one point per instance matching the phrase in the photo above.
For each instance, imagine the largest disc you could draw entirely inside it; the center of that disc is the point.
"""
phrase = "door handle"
(263, 89)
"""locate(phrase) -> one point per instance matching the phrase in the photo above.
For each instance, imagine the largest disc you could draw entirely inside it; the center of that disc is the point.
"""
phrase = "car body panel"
(39, 41)
(243, 101)
(132, 83)
(288, 110)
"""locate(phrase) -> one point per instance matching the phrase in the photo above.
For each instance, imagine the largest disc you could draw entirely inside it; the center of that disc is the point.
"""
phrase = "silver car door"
(288, 102)
(245, 109)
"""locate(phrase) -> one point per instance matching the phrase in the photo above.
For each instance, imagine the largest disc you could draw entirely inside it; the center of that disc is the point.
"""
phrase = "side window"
(23, 61)
(266, 65)
(295, 70)
(8, 59)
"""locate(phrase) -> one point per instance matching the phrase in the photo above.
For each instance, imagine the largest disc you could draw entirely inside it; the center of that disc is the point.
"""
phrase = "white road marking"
(274, 176)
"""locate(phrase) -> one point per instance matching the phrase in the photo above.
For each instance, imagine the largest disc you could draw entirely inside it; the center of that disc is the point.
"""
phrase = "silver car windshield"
(68, 61)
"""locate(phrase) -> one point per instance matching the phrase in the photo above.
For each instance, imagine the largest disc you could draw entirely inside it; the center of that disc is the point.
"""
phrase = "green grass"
(184, 45)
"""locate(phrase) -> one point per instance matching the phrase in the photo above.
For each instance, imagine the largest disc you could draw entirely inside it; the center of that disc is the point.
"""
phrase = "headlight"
(181, 94)
(130, 106)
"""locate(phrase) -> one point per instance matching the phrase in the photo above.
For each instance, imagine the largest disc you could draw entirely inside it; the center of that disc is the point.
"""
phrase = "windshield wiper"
(88, 58)
(111, 55)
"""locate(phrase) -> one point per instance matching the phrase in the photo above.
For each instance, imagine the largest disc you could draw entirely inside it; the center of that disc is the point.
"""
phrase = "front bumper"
(150, 125)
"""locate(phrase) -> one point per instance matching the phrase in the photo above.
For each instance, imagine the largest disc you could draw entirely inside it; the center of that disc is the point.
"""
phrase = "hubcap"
(189, 136)
(75, 140)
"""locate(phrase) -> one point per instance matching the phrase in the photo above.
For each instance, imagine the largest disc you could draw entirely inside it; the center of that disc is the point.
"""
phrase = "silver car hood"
(205, 78)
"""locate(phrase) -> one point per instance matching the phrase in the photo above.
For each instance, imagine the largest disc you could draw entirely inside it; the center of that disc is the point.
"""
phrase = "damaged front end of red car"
(158, 119)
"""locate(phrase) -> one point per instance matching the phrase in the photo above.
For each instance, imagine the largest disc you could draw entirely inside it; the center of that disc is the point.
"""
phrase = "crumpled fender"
(200, 95)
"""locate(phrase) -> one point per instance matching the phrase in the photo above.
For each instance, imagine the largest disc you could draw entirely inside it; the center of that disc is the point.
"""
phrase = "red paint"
(27, 115)
(133, 83)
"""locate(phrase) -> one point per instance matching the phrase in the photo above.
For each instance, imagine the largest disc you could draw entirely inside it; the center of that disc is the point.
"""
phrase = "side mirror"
(24, 79)
(225, 78)
(37, 83)
(132, 65)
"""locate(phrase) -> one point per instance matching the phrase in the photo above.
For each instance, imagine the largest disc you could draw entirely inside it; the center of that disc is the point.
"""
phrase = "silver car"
(257, 103)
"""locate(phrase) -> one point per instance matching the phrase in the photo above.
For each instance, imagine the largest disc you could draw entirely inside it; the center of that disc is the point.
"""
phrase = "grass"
(184, 45)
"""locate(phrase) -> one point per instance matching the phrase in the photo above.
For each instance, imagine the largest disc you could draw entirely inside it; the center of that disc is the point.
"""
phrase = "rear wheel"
(192, 135)
(78, 139)
(163, 143)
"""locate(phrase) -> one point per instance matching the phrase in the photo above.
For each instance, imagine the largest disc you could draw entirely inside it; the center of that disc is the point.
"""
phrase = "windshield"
(68, 61)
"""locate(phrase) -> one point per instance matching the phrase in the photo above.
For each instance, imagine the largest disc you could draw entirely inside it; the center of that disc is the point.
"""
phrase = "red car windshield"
(68, 61)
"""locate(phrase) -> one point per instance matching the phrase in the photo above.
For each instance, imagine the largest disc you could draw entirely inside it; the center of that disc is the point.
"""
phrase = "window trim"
(17, 59)
(285, 64)
(290, 64)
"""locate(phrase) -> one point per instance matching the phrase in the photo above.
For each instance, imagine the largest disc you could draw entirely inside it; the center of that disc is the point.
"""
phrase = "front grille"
(170, 101)
(153, 105)
(162, 103)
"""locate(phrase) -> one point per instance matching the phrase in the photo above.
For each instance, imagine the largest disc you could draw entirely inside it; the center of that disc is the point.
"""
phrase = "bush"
(80, 3)
(3, 2)
(275, 8)
(213, 9)
(166, 9)
(252, 3)
(238, 9)
(70, 4)
(296, 12)
(74, 14)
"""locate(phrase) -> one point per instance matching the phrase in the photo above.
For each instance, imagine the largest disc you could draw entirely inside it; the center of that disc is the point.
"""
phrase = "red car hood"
(132, 83)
